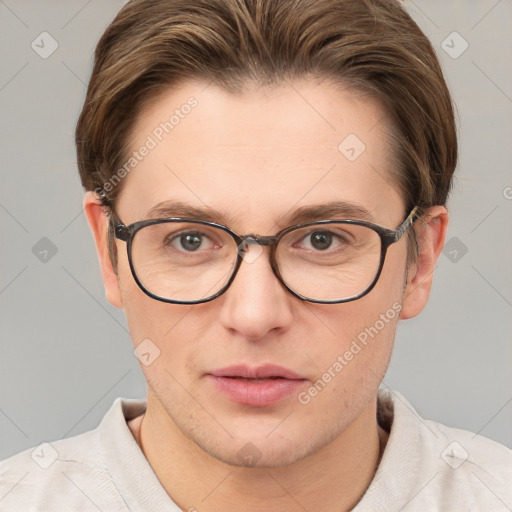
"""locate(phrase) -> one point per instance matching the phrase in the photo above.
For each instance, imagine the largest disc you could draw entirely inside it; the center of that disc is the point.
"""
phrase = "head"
(259, 114)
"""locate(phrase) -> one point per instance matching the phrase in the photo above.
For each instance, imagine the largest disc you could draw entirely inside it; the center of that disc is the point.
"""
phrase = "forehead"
(261, 153)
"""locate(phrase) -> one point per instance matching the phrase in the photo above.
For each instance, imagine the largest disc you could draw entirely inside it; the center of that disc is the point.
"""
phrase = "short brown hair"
(373, 45)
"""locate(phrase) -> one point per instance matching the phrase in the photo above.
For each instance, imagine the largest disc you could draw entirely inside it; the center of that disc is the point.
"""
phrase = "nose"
(256, 303)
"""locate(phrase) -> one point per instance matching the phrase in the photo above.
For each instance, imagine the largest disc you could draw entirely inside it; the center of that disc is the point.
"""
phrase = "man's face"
(257, 158)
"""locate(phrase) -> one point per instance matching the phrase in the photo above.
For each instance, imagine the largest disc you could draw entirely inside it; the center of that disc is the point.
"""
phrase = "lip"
(260, 386)
(259, 372)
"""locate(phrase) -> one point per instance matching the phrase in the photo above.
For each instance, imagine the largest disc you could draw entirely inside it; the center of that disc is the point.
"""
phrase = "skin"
(255, 157)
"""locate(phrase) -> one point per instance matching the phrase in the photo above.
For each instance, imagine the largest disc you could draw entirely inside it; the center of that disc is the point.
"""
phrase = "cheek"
(351, 365)
(352, 359)
(165, 336)
(393, 274)
(363, 334)
(147, 318)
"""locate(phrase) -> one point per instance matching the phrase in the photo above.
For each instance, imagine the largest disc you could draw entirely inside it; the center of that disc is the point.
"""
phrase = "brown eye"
(190, 241)
(320, 240)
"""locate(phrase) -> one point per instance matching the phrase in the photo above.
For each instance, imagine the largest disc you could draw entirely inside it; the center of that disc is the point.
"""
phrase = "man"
(266, 185)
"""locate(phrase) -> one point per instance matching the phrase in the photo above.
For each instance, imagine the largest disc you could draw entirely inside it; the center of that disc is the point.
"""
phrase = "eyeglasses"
(189, 261)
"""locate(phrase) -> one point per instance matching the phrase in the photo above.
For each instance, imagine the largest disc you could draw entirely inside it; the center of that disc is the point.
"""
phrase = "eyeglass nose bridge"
(249, 257)
(268, 241)
(251, 239)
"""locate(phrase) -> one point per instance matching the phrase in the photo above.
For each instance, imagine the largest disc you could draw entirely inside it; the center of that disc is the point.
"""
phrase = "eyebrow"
(179, 209)
(332, 210)
(342, 210)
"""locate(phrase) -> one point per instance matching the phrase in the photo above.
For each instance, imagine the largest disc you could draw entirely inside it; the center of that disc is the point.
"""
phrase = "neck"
(334, 478)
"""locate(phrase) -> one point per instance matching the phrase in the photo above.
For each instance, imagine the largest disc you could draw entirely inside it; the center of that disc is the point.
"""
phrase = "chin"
(260, 451)
(252, 455)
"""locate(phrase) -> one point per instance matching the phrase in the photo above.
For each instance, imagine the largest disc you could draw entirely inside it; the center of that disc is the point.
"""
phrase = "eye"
(189, 241)
(322, 240)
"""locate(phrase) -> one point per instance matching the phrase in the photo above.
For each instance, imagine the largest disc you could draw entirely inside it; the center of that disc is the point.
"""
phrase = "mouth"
(261, 386)
(254, 380)
(267, 371)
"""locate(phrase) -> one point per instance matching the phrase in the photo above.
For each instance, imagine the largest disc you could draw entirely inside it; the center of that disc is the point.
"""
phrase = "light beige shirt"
(426, 466)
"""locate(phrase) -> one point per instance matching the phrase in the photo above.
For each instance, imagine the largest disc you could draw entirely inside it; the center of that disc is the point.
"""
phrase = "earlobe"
(98, 222)
(431, 233)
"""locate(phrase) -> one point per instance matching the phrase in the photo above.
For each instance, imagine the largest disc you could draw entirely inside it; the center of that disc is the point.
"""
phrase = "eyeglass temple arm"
(120, 230)
(406, 224)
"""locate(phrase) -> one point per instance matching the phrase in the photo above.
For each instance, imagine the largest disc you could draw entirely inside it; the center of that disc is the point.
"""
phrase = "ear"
(431, 233)
(98, 222)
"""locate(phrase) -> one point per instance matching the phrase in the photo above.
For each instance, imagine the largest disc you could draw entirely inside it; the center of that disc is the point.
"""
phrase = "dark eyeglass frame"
(387, 236)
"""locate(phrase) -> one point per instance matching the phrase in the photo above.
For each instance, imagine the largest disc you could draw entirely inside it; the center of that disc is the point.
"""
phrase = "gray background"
(65, 353)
